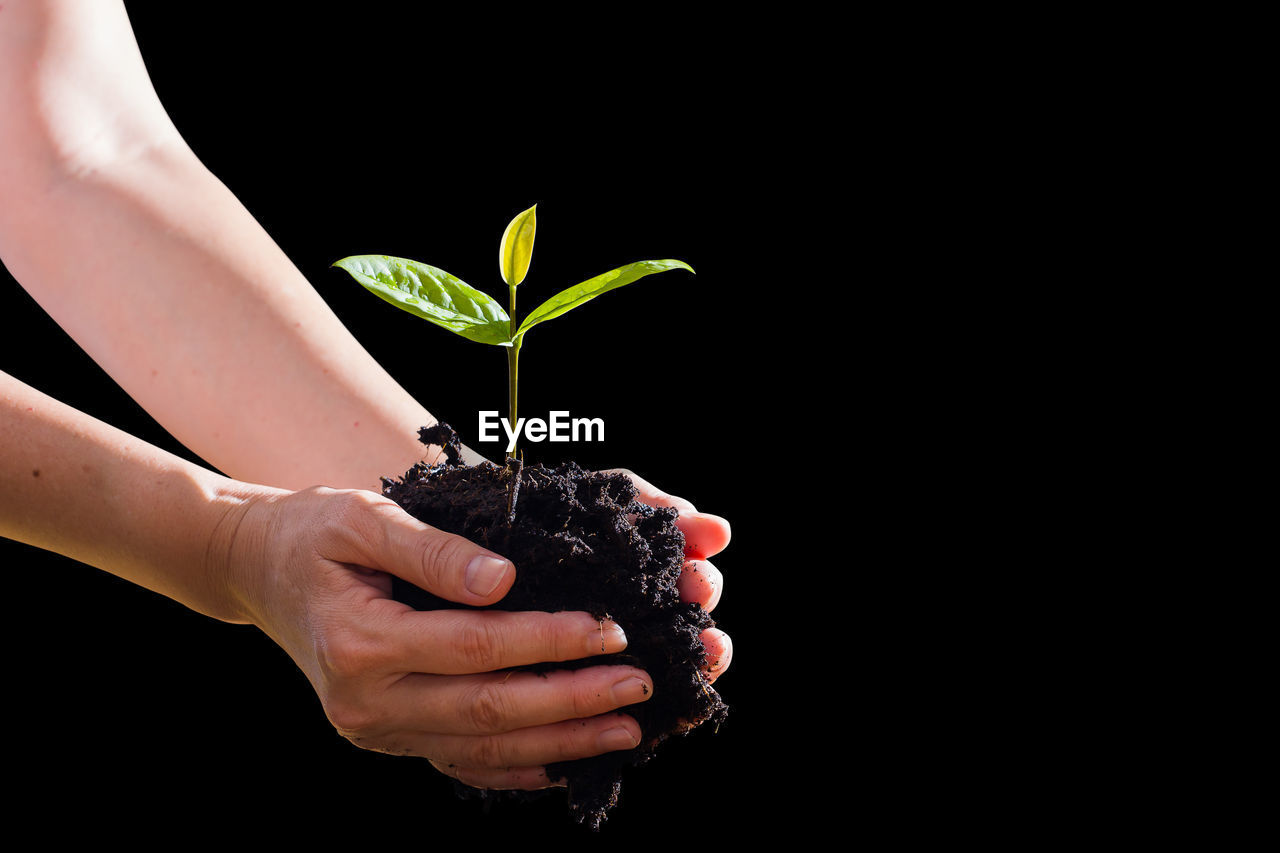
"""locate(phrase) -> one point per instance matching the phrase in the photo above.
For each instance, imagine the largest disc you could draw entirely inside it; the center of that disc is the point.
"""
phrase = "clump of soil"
(580, 541)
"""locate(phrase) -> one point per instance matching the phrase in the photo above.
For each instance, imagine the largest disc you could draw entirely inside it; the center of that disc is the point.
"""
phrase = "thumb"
(447, 565)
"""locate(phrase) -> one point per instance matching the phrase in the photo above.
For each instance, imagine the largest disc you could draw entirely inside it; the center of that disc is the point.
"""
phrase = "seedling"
(443, 299)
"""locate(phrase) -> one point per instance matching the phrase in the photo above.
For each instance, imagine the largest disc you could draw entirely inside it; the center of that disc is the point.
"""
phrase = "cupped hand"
(705, 535)
(313, 570)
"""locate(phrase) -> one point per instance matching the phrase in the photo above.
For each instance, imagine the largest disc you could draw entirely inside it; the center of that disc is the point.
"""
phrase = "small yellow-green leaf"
(517, 246)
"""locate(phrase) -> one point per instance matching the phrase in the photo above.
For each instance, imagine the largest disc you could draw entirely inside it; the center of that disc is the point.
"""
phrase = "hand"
(313, 569)
(705, 535)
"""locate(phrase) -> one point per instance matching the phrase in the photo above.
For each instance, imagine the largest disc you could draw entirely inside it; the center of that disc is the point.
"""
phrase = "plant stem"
(513, 366)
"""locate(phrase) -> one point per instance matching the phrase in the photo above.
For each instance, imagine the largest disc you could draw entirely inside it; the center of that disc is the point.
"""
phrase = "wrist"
(235, 553)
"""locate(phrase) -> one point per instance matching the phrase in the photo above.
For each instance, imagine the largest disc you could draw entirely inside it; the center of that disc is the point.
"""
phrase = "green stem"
(513, 366)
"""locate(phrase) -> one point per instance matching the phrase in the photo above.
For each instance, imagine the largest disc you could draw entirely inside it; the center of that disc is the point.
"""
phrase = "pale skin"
(115, 227)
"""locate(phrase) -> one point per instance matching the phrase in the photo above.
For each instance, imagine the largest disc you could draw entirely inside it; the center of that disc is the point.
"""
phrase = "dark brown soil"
(580, 541)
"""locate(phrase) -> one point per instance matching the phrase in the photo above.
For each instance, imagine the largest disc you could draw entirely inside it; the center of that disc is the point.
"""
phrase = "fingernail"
(484, 573)
(726, 648)
(606, 638)
(628, 691)
(615, 739)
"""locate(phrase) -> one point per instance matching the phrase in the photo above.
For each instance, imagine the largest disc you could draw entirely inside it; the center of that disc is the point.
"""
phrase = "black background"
(413, 135)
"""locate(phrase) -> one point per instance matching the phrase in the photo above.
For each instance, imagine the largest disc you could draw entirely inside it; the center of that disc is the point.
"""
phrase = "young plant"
(435, 295)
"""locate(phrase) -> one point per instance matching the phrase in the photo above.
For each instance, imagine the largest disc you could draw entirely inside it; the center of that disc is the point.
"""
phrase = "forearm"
(81, 488)
(156, 269)
(187, 303)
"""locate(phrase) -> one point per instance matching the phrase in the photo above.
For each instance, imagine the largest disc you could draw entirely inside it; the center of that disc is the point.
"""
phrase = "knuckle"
(353, 719)
(479, 645)
(488, 707)
(559, 636)
(488, 751)
(348, 500)
(589, 692)
(373, 505)
(343, 513)
(348, 657)
(586, 696)
(570, 742)
(320, 492)
(437, 552)
(356, 506)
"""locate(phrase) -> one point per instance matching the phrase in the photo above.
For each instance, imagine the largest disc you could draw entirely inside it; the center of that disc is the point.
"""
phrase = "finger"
(705, 535)
(651, 494)
(462, 642)
(510, 779)
(701, 583)
(375, 532)
(540, 745)
(719, 650)
(496, 703)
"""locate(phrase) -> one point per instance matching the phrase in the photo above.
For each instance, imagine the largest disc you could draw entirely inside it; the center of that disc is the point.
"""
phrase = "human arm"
(115, 227)
(141, 254)
(312, 569)
(148, 261)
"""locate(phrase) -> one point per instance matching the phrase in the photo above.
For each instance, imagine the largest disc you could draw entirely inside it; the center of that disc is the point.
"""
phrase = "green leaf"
(572, 297)
(434, 295)
(516, 249)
